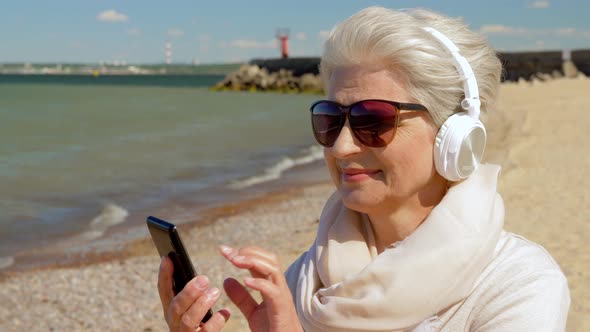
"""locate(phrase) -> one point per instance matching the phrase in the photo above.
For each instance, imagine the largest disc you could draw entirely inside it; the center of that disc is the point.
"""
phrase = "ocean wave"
(110, 215)
(6, 262)
(274, 172)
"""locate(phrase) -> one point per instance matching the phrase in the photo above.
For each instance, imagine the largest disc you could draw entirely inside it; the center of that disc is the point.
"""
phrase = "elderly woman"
(412, 238)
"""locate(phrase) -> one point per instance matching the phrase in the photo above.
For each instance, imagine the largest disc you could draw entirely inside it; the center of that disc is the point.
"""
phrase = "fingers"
(240, 296)
(190, 319)
(278, 302)
(165, 281)
(217, 321)
(184, 311)
(259, 267)
(229, 253)
(269, 281)
(270, 292)
(265, 287)
(194, 294)
(261, 263)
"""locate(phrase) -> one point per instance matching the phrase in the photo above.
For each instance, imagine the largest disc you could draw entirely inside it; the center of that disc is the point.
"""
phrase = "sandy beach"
(538, 133)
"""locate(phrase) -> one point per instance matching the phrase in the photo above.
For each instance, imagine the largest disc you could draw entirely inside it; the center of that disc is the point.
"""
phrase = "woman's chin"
(358, 200)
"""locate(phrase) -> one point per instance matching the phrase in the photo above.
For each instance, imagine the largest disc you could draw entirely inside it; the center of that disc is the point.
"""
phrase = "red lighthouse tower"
(283, 36)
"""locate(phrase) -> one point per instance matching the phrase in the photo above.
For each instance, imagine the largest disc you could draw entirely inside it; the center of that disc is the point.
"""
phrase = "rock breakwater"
(281, 75)
(295, 75)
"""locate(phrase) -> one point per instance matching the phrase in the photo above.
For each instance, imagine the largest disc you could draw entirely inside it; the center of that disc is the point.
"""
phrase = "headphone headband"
(471, 103)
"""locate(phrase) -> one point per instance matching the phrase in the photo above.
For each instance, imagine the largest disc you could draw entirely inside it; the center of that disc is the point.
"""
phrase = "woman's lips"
(358, 174)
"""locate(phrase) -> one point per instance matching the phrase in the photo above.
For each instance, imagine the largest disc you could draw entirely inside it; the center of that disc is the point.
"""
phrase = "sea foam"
(110, 215)
(6, 262)
(274, 172)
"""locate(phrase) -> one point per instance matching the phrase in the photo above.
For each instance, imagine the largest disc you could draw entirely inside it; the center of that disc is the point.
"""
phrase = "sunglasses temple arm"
(412, 107)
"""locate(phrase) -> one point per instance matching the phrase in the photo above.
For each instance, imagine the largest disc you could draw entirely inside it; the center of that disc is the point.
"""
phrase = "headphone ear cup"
(439, 149)
(459, 146)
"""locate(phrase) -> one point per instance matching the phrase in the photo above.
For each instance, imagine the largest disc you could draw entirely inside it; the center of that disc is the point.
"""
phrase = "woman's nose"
(346, 144)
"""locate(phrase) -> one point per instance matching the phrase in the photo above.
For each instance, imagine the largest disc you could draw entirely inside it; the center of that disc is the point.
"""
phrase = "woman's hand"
(185, 311)
(276, 312)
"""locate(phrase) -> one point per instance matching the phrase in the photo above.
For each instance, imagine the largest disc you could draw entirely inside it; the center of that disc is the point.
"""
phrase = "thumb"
(240, 296)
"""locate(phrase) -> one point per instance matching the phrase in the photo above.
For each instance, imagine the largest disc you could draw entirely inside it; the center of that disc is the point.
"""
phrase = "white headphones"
(461, 140)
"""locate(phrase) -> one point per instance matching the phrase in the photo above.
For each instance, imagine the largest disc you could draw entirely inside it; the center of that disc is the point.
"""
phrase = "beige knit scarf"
(343, 284)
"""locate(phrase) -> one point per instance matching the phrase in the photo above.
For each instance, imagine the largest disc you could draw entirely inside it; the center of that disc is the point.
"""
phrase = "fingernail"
(248, 280)
(239, 259)
(202, 282)
(225, 249)
(226, 313)
(211, 293)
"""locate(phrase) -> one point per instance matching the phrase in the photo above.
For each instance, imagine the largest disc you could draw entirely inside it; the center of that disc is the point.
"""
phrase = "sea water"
(77, 158)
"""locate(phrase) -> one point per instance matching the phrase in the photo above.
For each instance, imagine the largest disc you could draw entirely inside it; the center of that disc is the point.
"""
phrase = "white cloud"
(253, 44)
(175, 32)
(566, 32)
(111, 15)
(134, 32)
(204, 38)
(300, 36)
(539, 4)
(498, 29)
(323, 34)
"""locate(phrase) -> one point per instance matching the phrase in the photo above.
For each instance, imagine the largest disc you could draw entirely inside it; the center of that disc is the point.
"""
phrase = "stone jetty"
(296, 75)
(281, 75)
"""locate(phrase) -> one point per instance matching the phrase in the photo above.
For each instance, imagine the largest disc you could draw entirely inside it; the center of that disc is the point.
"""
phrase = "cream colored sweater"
(522, 289)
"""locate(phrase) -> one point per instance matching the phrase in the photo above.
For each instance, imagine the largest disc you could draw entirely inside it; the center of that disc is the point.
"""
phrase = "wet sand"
(538, 134)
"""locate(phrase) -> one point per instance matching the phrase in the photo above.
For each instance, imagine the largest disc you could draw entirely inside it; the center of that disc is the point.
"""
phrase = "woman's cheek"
(335, 173)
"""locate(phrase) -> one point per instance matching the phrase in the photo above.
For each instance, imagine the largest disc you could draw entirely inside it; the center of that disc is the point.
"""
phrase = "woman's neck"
(393, 225)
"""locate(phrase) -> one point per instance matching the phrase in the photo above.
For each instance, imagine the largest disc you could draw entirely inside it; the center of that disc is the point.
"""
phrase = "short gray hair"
(397, 38)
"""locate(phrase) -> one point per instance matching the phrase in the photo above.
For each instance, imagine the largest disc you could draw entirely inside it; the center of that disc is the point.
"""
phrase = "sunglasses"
(373, 121)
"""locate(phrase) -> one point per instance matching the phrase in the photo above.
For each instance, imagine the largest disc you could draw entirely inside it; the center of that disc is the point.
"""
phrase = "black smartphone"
(168, 242)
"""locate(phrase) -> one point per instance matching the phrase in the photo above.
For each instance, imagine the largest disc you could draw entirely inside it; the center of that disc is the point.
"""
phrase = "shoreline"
(117, 243)
(143, 246)
(126, 280)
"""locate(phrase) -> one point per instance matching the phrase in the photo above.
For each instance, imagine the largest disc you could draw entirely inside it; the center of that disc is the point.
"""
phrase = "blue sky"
(90, 31)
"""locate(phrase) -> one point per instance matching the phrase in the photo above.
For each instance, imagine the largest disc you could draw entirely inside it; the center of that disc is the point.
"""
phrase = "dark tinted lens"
(326, 120)
(373, 122)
